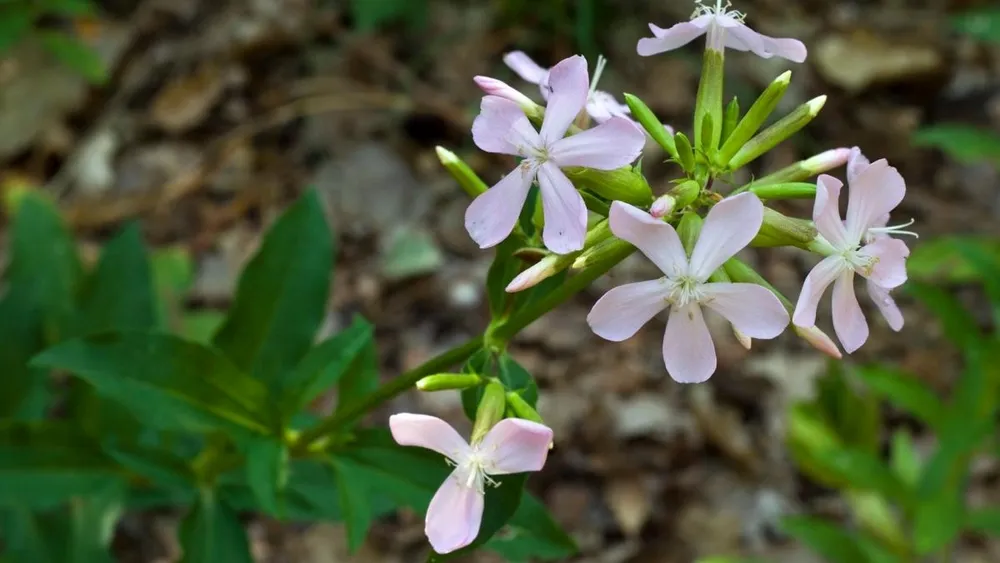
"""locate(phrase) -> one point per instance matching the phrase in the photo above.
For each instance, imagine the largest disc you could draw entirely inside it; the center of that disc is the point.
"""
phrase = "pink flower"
(725, 29)
(502, 127)
(688, 351)
(456, 511)
(859, 245)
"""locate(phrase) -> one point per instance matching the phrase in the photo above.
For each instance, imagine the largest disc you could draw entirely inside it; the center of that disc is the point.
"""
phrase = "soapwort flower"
(502, 127)
(455, 512)
(725, 29)
(688, 350)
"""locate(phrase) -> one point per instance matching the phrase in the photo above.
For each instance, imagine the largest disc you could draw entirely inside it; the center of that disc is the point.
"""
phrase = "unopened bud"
(789, 190)
(685, 154)
(521, 408)
(657, 131)
(708, 103)
(707, 123)
(449, 381)
(621, 184)
(819, 340)
(781, 130)
(740, 272)
(494, 87)
(755, 118)
(743, 339)
(686, 193)
(611, 251)
(805, 169)
(781, 230)
(490, 410)
(663, 206)
(461, 172)
(688, 230)
(730, 119)
(552, 264)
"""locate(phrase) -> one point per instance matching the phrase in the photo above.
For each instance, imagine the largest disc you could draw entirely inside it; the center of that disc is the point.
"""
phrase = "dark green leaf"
(353, 491)
(15, 22)
(201, 326)
(503, 270)
(69, 7)
(905, 462)
(959, 325)
(853, 413)
(938, 521)
(863, 471)
(76, 55)
(169, 383)
(964, 143)
(988, 267)
(118, 295)
(511, 374)
(369, 15)
(532, 534)
(942, 259)
(984, 520)
(876, 552)
(825, 538)
(22, 338)
(172, 277)
(155, 464)
(360, 379)
(324, 365)
(982, 24)
(267, 472)
(281, 297)
(212, 533)
(905, 392)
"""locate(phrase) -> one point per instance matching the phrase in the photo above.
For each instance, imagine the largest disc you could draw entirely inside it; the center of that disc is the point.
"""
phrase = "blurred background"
(204, 119)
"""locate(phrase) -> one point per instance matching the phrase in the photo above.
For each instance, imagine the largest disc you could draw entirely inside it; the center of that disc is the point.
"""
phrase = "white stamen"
(598, 71)
(474, 470)
(719, 9)
(684, 290)
(893, 230)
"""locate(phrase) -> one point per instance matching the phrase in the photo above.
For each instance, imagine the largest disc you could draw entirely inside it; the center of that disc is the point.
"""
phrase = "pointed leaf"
(905, 392)
(532, 534)
(360, 377)
(352, 490)
(118, 294)
(267, 472)
(21, 333)
(825, 538)
(76, 55)
(212, 533)
(323, 367)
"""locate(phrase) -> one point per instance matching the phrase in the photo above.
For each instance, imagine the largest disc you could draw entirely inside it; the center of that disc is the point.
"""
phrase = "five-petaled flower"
(725, 29)
(858, 245)
(456, 511)
(688, 350)
(502, 127)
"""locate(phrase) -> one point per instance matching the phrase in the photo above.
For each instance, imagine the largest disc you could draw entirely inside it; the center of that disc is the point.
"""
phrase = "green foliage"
(19, 20)
(371, 14)
(982, 24)
(212, 533)
(964, 143)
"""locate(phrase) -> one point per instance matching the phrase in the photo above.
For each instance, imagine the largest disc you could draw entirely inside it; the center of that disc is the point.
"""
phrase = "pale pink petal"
(501, 127)
(454, 515)
(820, 278)
(610, 145)
(729, 227)
(602, 106)
(889, 255)
(877, 190)
(886, 305)
(623, 310)
(856, 164)
(526, 68)
(848, 321)
(741, 38)
(491, 217)
(499, 88)
(428, 432)
(826, 211)
(677, 35)
(564, 211)
(753, 310)
(654, 238)
(688, 350)
(570, 88)
(516, 446)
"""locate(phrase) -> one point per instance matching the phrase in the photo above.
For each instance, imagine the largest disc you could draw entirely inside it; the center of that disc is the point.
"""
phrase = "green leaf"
(360, 379)
(503, 270)
(267, 472)
(960, 327)
(352, 490)
(964, 143)
(938, 521)
(982, 24)
(281, 297)
(532, 534)
(984, 520)
(212, 533)
(76, 55)
(173, 275)
(15, 23)
(201, 326)
(943, 259)
(863, 471)
(825, 538)
(511, 374)
(904, 460)
(155, 464)
(118, 295)
(69, 7)
(169, 383)
(326, 364)
(988, 266)
(21, 334)
(369, 15)
(905, 392)
(853, 413)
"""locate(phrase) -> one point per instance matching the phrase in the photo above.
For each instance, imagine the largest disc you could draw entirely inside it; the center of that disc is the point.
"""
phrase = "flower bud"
(686, 193)
(490, 410)
(781, 130)
(819, 340)
(708, 103)
(688, 229)
(461, 172)
(552, 264)
(755, 118)
(706, 140)
(743, 339)
(805, 169)
(657, 131)
(522, 409)
(730, 119)
(789, 190)
(740, 272)
(449, 381)
(663, 206)
(685, 154)
(875, 516)
(611, 251)
(621, 184)
(494, 87)
(781, 230)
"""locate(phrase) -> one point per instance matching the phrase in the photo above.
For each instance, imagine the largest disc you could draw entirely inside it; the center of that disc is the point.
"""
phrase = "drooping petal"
(492, 215)
(877, 190)
(677, 35)
(752, 309)
(516, 446)
(499, 88)
(602, 106)
(729, 227)
(886, 305)
(654, 238)
(564, 210)
(848, 320)
(610, 145)
(501, 127)
(526, 68)
(826, 211)
(454, 515)
(688, 350)
(742, 38)
(570, 88)
(819, 278)
(889, 256)
(856, 164)
(428, 432)
(623, 310)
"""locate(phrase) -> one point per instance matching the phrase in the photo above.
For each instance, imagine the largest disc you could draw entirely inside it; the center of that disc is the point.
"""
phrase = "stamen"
(717, 10)
(894, 230)
(598, 71)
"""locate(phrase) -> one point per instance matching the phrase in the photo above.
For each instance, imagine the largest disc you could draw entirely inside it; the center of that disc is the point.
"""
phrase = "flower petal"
(570, 88)
(610, 145)
(856, 164)
(501, 127)
(729, 227)
(454, 515)
(526, 68)
(877, 190)
(623, 310)
(602, 106)
(564, 211)
(819, 278)
(742, 38)
(889, 255)
(516, 446)
(688, 350)
(654, 238)
(492, 215)
(428, 432)
(886, 305)
(752, 309)
(826, 211)
(848, 321)
(678, 35)
(499, 88)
